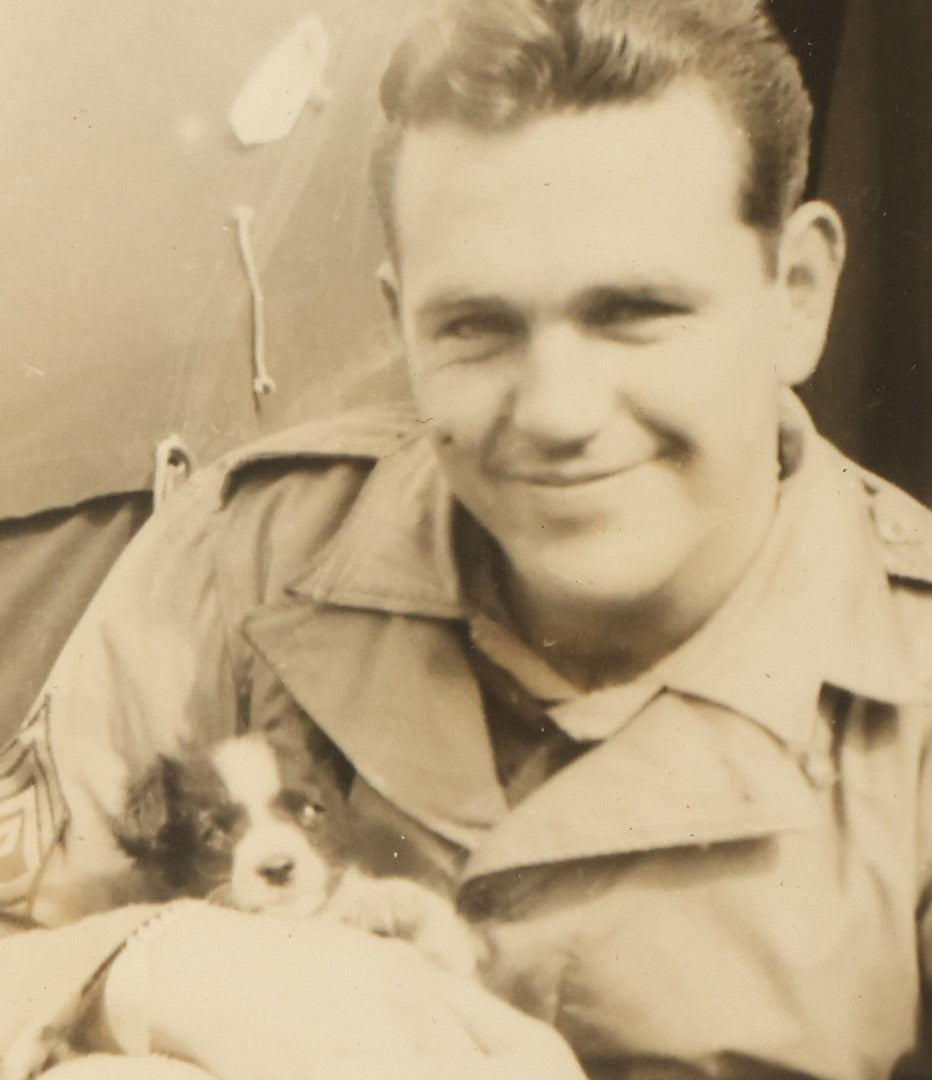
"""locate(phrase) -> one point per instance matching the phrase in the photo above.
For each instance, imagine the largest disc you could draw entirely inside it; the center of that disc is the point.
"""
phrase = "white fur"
(249, 769)
(306, 890)
(397, 907)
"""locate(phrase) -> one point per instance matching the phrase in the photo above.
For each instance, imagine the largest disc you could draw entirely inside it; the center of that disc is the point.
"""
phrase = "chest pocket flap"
(683, 773)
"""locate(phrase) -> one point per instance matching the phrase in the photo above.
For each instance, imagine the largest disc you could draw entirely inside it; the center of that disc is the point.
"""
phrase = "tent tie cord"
(174, 463)
(262, 384)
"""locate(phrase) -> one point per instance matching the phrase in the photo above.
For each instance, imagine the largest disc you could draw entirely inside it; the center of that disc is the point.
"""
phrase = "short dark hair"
(494, 64)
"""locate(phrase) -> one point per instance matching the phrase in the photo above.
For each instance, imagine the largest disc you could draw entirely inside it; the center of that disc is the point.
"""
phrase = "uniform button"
(892, 530)
(820, 769)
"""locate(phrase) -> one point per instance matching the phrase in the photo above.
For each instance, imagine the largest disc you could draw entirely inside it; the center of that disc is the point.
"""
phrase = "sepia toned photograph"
(465, 540)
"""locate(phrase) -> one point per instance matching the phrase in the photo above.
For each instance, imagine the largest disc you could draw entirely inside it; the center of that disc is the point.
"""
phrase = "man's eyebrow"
(671, 296)
(454, 302)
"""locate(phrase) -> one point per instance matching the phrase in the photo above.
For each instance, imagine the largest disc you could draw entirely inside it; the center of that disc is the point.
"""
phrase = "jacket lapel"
(370, 647)
(397, 696)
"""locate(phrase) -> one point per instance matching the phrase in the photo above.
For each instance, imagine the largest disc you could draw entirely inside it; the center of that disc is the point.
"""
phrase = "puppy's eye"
(211, 836)
(211, 832)
(308, 813)
(302, 807)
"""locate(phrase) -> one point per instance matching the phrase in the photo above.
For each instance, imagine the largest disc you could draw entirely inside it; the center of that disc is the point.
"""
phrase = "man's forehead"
(651, 174)
(627, 137)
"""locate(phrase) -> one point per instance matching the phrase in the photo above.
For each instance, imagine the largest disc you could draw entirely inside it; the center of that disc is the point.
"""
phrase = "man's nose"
(559, 399)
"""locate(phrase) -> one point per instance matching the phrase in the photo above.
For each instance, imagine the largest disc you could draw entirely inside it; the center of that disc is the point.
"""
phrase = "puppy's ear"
(150, 810)
(286, 731)
(288, 735)
(304, 753)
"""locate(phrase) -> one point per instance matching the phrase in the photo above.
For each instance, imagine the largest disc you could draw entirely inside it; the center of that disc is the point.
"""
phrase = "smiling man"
(598, 340)
(603, 640)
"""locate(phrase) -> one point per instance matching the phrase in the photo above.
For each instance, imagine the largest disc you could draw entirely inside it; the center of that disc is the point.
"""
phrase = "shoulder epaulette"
(369, 432)
(904, 528)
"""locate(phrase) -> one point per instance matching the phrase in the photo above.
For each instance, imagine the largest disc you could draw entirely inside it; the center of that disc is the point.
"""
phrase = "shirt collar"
(394, 551)
(815, 607)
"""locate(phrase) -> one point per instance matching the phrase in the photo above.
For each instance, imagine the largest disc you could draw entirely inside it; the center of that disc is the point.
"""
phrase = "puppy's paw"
(398, 908)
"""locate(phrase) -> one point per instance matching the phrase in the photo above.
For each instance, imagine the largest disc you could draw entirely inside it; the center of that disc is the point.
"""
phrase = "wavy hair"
(496, 64)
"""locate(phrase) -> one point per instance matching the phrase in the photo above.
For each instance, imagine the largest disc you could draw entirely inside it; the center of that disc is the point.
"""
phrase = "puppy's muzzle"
(276, 870)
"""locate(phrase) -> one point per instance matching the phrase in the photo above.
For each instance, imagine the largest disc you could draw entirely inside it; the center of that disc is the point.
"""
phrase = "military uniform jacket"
(737, 861)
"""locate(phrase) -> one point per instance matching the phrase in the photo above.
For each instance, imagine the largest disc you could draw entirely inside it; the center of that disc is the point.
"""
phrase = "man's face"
(595, 341)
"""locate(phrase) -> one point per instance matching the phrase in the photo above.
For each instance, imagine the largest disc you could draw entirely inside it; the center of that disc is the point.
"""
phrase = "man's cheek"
(460, 433)
(443, 437)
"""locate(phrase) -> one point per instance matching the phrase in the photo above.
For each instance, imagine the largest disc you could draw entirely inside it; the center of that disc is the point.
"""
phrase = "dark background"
(868, 67)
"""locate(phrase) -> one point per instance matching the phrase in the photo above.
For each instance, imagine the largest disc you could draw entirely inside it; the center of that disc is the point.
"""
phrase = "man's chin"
(594, 567)
(616, 501)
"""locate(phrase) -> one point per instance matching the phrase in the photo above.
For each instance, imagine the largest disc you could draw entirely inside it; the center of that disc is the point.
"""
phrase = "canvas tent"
(127, 309)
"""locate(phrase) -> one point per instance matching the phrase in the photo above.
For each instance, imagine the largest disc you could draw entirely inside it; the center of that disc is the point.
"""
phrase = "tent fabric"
(127, 313)
(50, 567)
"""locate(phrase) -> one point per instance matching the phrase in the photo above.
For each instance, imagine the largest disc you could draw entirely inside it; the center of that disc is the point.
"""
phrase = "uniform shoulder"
(903, 527)
(363, 434)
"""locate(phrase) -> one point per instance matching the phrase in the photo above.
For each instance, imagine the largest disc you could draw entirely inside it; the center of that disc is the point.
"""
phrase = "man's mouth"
(570, 478)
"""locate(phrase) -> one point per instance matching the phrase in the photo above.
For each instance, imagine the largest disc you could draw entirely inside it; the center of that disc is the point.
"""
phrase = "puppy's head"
(251, 821)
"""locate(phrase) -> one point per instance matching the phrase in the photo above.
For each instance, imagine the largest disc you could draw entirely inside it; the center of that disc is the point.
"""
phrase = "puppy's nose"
(277, 871)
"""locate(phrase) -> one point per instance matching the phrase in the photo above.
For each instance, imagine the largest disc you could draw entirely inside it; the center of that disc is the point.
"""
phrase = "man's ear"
(387, 277)
(810, 257)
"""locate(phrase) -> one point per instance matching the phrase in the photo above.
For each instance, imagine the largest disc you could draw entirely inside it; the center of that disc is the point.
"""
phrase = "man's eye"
(625, 312)
(476, 326)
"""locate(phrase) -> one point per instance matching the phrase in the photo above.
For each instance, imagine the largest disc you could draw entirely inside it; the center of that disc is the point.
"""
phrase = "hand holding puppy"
(256, 823)
(247, 997)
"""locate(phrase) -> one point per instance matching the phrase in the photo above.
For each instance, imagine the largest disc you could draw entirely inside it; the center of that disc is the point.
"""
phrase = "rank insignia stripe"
(33, 810)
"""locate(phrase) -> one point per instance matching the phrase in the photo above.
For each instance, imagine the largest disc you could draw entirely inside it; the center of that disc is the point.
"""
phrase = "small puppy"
(256, 824)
